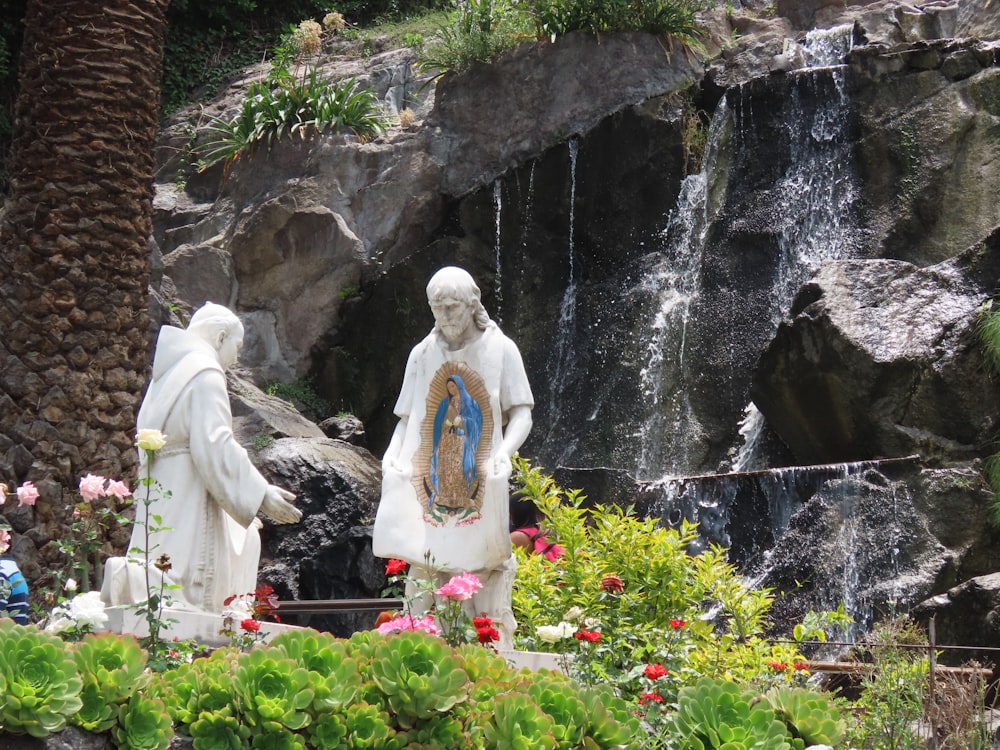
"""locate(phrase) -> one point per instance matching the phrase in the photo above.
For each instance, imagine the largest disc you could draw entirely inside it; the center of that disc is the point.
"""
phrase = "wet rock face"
(327, 555)
(879, 359)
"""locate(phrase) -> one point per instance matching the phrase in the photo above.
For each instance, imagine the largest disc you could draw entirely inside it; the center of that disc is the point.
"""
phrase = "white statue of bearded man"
(206, 492)
(464, 410)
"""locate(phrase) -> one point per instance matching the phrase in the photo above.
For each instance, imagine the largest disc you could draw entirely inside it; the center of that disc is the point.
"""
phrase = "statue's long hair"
(455, 282)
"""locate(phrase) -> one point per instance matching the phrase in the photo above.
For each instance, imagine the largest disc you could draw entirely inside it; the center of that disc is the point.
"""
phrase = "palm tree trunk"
(74, 241)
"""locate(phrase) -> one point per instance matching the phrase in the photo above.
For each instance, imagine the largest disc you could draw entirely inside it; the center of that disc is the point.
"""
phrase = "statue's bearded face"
(452, 316)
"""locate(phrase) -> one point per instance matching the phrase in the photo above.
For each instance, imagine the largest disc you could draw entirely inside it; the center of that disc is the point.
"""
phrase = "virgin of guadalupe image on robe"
(452, 484)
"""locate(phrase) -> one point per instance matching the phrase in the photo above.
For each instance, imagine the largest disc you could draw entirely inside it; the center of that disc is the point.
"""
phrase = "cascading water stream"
(675, 282)
(561, 363)
(818, 195)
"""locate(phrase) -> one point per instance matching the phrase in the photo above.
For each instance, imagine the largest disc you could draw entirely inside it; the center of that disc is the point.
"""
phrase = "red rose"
(250, 625)
(481, 622)
(395, 567)
(587, 635)
(488, 634)
(655, 671)
(675, 624)
(650, 698)
(612, 584)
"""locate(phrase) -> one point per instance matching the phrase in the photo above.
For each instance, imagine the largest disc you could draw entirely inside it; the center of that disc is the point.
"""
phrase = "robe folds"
(206, 492)
(410, 523)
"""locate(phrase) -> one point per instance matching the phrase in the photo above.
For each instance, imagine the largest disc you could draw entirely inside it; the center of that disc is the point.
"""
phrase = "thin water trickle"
(498, 278)
(561, 363)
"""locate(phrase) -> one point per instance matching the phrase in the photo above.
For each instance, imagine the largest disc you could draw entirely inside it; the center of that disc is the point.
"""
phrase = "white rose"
(70, 584)
(548, 633)
(88, 610)
(554, 633)
(58, 622)
(566, 630)
(573, 614)
(150, 440)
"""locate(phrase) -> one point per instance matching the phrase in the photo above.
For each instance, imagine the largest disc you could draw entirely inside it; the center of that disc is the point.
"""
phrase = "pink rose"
(408, 622)
(4, 540)
(27, 494)
(91, 487)
(460, 587)
(117, 489)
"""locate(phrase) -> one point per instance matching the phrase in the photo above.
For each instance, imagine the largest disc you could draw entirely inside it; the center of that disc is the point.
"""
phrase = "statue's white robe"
(207, 492)
(400, 528)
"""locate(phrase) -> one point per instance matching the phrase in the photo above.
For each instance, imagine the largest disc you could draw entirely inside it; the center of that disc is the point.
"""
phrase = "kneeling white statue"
(464, 410)
(205, 491)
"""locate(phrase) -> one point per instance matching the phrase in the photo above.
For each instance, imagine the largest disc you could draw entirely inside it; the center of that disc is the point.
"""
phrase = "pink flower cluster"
(93, 486)
(460, 587)
(27, 494)
(409, 622)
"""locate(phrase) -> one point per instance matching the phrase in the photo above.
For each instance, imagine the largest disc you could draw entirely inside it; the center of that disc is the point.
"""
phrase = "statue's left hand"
(278, 507)
(502, 465)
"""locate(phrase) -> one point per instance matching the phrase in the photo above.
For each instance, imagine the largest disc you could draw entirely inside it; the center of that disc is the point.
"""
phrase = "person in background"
(525, 531)
(13, 587)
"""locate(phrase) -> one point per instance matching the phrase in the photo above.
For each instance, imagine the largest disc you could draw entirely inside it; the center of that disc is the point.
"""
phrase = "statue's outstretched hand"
(278, 507)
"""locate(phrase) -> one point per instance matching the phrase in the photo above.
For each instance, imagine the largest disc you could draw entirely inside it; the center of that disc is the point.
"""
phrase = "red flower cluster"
(587, 635)
(777, 666)
(677, 624)
(650, 698)
(612, 584)
(250, 625)
(485, 630)
(394, 567)
(655, 671)
(801, 666)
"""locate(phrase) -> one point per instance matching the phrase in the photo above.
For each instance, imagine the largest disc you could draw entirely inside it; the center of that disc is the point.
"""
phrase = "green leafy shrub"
(39, 682)
(628, 594)
(285, 104)
(112, 669)
(476, 31)
(893, 692)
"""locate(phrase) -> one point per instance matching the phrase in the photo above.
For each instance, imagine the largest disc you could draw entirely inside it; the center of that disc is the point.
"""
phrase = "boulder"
(880, 359)
(966, 615)
(873, 539)
(327, 555)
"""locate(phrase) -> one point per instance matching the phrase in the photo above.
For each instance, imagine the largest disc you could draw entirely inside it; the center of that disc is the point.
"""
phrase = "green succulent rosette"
(40, 681)
(719, 714)
(143, 724)
(203, 686)
(333, 675)
(272, 692)
(419, 675)
(218, 731)
(811, 716)
(112, 668)
(519, 724)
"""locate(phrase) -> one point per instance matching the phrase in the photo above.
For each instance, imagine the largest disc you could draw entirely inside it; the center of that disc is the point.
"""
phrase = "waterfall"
(674, 283)
(818, 193)
(560, 365)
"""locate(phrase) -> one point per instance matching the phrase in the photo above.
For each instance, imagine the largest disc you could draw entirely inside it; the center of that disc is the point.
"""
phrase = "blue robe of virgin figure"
(470, 431)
